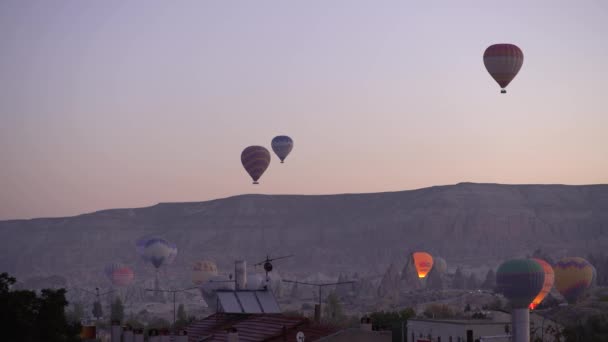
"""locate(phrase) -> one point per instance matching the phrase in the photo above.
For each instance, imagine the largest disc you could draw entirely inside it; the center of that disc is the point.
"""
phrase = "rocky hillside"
(474, 224)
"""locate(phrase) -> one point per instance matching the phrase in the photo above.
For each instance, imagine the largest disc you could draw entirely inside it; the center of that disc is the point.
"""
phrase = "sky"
(122, 104)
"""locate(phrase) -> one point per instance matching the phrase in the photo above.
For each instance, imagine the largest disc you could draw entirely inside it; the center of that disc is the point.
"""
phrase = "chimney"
(115, 331)
(233, 335)
(366, 323)
(138, 335)
(240, 274)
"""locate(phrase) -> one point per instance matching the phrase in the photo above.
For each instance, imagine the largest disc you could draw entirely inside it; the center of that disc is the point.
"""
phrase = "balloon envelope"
(547, 285)
(282, 145)
(440, 265)
(520, 280)
(503, 62)
(255, 160)
(119, 274)
(202, 271)
(573, 276)
(157, 251)
(423, 262)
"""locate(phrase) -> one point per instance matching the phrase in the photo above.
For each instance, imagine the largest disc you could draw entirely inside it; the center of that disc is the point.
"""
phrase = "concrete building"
(434, 330)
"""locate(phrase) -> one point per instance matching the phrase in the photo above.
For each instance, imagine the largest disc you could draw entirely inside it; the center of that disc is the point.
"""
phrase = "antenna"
(320, 286)
(174, 292)
(268, 265)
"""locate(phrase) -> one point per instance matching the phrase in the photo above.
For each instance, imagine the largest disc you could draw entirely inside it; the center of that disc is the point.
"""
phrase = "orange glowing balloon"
(548, 284)
(423, 262)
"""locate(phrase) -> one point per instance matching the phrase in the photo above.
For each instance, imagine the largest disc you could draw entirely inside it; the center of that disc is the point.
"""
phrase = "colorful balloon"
(423, 262)
(547, 285)
(156, 251)
(255, 160)
(202, 271)
(119, 274)
(573, 276)
(439, 265)
(503, 62)
(520, 280)
(282, 145)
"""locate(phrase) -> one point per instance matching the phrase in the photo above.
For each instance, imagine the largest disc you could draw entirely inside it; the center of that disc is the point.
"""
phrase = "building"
(358, 335)
(471, 330)
(236, 327)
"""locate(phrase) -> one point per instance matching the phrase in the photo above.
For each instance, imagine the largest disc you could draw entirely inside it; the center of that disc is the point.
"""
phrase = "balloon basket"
(503, 91)
(256, 183)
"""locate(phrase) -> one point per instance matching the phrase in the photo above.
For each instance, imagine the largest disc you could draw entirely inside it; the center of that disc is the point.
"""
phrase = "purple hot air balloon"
(282, 146)
(503, 62)
(255, 160)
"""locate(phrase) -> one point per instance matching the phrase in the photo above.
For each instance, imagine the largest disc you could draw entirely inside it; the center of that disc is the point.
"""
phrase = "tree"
(182, 317)
(388, 320)
(593, 329)
(490, 282)
(333, 308)
(117, 310)
(459, 281)
(472, 282)
(76, 314)
(97, 310)
(28, 317)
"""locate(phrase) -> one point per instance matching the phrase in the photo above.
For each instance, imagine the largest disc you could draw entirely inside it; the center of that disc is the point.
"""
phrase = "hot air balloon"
(172, 254)
(282, 145)
(255, 160)
(573, 276)
(119, 274)
(503, 62)
(520, 280)
(423, 262)
(157, 251)
(202, 271)
(439, 265)
(547, 285)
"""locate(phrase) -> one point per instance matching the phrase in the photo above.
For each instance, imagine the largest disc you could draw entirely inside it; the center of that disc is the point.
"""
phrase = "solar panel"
(249, 302)
(228, 302)
(268, 302)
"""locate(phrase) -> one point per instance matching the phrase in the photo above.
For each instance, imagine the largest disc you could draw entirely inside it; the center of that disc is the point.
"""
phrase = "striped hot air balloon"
(547, 285)
(423, 262)
(119, 274)
(255, 160)
(503, 62)
(573, 276)
(282, 145)
(520, 280)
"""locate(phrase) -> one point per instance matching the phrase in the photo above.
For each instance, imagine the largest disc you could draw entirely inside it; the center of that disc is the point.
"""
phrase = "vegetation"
(27, 317)
(594, 329)
(439, 311)
(117, 310)
(390, 319)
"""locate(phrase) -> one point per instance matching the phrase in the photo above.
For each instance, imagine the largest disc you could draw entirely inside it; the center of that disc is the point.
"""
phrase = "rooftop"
(256, 327)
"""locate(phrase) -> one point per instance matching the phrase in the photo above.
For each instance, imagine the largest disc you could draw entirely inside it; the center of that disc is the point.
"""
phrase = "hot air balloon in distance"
(547, 285)
(120, 275)
(202, 271)
(255, 160)
(439, 265)
(157, 251)
(282, 146)
(573, 276)
(503, 62)
(172, 253)
(520, 281)
(423, 262)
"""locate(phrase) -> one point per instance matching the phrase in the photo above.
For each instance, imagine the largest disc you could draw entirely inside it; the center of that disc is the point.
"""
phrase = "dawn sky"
(114, 104)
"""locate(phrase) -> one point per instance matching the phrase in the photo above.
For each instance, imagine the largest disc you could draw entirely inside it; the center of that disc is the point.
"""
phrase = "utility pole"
(174, 293)
(96, 294)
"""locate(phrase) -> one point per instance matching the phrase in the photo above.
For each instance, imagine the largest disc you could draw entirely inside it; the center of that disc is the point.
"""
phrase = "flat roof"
(460, 321)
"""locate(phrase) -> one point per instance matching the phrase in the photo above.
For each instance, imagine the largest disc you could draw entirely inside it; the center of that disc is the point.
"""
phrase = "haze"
(107, 104)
